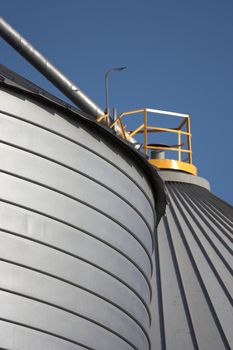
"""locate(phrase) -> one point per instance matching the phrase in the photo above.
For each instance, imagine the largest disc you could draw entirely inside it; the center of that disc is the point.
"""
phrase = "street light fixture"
(116, 69)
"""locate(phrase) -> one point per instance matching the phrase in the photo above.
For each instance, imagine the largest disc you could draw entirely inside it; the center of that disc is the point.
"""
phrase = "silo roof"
(194, 268)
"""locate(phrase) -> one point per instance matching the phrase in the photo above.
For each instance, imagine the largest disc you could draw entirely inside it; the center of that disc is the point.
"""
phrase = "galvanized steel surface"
(193, 285)
(76, 242)
(76, 234)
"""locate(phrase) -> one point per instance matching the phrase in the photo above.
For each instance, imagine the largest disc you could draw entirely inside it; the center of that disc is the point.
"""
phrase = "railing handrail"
(144, 129)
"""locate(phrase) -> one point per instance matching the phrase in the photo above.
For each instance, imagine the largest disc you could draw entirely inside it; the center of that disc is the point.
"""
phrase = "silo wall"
(76, 234)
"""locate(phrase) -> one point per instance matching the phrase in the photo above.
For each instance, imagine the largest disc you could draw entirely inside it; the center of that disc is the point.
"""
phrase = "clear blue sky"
(179, 56)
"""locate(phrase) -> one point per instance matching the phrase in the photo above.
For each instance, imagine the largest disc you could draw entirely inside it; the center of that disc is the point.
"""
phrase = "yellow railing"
(183, 128)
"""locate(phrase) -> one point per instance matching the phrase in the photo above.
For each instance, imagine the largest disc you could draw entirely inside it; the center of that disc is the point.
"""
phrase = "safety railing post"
(189, 141)
(179, 145)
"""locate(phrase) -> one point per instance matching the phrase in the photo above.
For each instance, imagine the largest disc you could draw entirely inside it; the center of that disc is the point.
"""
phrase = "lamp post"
(115, 69)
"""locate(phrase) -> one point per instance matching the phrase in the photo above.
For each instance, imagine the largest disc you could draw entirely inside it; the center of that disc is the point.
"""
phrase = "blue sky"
(179, 56)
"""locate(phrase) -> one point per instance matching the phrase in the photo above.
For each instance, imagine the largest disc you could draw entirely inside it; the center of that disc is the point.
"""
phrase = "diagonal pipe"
(69, 89)
(57, 78)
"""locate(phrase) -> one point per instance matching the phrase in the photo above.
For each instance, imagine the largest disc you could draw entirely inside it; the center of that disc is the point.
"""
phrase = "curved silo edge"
(15, 82)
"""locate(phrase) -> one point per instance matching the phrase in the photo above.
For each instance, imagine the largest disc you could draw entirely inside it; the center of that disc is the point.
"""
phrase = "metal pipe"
(69, 89)
(72, 91)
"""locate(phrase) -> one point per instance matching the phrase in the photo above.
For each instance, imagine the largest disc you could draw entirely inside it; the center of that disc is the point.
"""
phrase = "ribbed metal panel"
(193, 285)
(76, 234)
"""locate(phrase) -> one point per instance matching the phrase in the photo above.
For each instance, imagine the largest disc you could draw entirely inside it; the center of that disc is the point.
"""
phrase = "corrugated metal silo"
(193, 284)
(77, 218)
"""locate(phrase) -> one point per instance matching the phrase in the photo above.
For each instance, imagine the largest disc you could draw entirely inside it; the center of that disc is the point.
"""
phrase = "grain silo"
(78, 214)
(82, 265)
